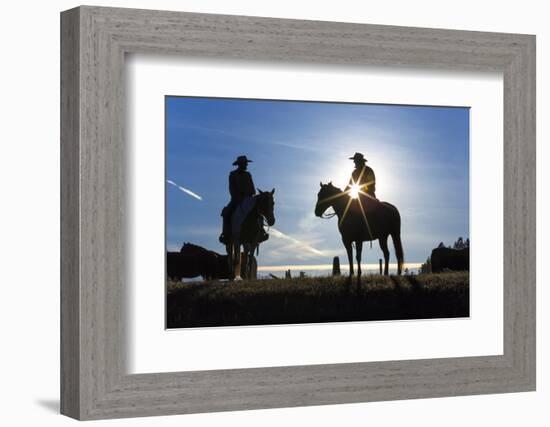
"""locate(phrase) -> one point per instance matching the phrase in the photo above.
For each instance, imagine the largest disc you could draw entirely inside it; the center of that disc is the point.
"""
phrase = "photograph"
(292, 212)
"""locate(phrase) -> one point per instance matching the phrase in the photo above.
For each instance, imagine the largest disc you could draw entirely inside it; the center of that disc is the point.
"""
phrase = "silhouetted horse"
(193, 261)
(450, 259)
(360, 220)
(246, 229)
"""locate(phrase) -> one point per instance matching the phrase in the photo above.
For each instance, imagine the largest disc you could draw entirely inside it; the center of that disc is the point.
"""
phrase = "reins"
(263, 223)
(328, 216)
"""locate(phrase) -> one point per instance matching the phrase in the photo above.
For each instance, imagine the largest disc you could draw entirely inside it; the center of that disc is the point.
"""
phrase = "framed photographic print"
(338, 212)
(299, 144)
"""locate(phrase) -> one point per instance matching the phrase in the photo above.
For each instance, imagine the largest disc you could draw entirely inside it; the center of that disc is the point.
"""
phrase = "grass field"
(317, 299)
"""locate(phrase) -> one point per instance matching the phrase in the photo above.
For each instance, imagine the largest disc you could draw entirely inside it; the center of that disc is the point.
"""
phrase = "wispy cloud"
(185, 190)
(297, 243)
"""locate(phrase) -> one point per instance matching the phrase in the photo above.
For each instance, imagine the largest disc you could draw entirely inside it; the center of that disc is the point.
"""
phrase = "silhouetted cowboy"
(362, 175)
(240, 187)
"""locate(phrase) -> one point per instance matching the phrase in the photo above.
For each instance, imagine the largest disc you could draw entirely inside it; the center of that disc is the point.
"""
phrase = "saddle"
(241, 212)
(238, 217)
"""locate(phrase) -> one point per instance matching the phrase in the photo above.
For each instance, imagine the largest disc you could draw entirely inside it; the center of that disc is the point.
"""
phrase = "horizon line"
(309, 267)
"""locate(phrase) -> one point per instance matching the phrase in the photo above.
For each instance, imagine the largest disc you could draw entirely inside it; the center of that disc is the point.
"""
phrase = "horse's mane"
(336, 190)
(333, 189)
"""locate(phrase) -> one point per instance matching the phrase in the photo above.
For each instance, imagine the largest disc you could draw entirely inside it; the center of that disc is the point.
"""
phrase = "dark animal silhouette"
(247, 230)
(192, 261)
(443, 259)
(360, 220)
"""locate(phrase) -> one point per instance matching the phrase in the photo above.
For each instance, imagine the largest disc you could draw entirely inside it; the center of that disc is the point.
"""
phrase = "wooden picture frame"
(94, 382)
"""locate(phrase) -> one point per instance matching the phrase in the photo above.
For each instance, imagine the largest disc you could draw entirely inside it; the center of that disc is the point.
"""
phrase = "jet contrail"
(185, 190)
(281, 235)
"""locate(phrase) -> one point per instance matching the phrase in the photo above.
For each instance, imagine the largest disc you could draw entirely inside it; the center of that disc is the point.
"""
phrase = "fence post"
(336, 266)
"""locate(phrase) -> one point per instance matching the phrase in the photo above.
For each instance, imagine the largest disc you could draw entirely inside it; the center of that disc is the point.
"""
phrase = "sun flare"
(354, 191)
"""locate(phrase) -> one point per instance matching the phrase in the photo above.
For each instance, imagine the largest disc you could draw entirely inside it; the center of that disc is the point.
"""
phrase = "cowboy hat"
(358, 157)
(241, 159)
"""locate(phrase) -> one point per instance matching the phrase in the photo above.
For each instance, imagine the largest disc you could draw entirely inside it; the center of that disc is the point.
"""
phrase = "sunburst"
(353, 193)
(364, 215)
(348, 204)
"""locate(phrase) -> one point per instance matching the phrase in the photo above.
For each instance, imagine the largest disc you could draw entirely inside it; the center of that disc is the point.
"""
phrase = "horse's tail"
(396, 238)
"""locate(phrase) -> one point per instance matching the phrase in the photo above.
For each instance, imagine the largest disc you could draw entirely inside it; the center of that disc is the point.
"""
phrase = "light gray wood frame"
(94, 41)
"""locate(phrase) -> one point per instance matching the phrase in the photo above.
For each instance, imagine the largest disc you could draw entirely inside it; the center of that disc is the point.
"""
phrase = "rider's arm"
(349, 183)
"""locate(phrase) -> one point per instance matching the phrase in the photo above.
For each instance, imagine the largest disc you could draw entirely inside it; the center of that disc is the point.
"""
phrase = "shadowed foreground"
(318, 299)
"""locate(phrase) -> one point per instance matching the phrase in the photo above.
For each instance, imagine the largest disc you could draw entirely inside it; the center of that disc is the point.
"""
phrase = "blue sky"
(419, 155)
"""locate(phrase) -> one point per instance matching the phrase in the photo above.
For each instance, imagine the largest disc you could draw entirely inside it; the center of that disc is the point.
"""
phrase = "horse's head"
(266, 205)
(325, 198)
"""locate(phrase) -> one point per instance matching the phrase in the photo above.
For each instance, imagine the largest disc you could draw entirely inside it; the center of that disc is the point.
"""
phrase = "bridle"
(263, 223)
(329, 215)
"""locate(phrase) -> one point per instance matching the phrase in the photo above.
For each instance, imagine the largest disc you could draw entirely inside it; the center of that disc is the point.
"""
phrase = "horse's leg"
(349, 250)
(250, 261)
(229, 262)
(358, 250)
(236, 259)
(253, 266)
(383, 240)
(245, 262)
(230, 258)
(249, 257)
